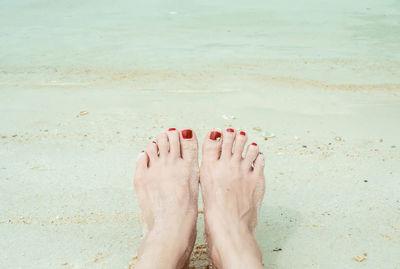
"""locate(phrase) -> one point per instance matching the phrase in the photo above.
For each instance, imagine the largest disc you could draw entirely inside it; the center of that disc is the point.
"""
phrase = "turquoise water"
(39, 34)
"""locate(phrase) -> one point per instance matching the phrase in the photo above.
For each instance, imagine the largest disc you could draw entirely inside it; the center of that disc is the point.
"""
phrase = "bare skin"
(232, 188)
(166, 183)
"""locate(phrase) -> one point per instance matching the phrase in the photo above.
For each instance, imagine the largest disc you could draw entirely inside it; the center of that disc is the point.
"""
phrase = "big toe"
(189, 145)
(227, 143)
(212, 146)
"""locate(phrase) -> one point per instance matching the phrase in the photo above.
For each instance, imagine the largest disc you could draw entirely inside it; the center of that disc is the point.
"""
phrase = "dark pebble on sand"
(277, 249)
(365, 181)
(304, 146)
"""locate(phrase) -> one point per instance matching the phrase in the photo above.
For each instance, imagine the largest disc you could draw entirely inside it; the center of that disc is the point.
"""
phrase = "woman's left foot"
(167, 185)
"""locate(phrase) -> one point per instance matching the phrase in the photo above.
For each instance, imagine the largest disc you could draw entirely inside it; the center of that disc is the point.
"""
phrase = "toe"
(227, 143)
(152, 151)
(163, 145)
(240, 142)
(212, 146)
(188, 145)
(141, 164)
(174, 145)
(259, 164)
(251, 155)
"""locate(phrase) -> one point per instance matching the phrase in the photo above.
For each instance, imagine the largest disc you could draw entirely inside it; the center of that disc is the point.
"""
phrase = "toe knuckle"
(189, 147)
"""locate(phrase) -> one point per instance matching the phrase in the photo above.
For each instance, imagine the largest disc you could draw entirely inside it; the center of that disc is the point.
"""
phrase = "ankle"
(235, 247)
(165, 248)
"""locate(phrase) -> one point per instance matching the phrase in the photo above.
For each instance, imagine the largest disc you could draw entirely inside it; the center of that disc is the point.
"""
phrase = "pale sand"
(332, 100)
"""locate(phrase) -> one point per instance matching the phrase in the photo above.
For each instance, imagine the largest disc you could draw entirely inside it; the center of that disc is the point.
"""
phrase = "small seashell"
(228, 117)
(83, 113)
(359, 258)
(267, 134)
(338, 138)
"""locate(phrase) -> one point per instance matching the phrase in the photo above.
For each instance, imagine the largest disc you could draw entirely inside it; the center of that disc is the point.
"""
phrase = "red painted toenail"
(154, 142)
(254, 144)
(187, 134)
(230, 130)
(242, 133)
(214, 135)
(171, 129)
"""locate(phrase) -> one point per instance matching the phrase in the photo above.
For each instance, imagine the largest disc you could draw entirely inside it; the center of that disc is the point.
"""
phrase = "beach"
(85, 86)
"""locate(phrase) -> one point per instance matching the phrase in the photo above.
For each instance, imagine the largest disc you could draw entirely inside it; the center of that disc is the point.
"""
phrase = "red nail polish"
(187, 134)
(171, 129)
(230, 130)
(242, 133)
(142, 151)
(154, 142)
(254, 144)
(214, 135)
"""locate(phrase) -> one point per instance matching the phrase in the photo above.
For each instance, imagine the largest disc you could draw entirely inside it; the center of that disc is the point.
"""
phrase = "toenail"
(254, 144)
(154, 142)
(171, 129)
(230, 130)
(214, 135)
(187, 134)
(242, 133)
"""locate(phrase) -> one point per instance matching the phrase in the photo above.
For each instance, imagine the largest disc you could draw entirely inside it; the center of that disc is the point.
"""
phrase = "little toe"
(174, 144)
(212, 146)
(163, 145)
(240, 142)
(259, 164)
(152, 151)
(141, 164)
(251, 155)
(227, 143)
(188, 145)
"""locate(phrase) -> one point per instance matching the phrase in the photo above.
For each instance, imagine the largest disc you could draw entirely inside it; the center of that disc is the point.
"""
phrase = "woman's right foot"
(232, 188)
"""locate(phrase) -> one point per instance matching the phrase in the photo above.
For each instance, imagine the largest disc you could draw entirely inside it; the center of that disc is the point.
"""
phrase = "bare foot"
(166, 184)
(232, 188)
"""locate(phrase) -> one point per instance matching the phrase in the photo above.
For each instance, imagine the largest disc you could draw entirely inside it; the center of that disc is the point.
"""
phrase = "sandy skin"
(167, 184)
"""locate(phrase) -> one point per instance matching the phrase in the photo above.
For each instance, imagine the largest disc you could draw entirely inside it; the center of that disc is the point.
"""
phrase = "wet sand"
(84, 87)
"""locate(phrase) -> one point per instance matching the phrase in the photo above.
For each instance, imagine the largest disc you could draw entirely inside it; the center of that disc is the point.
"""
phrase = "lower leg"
(166, 248)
